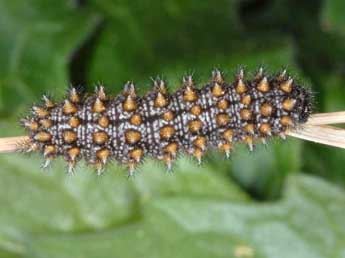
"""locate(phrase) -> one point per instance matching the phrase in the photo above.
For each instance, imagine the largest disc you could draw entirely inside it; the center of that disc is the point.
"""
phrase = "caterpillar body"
(99, 128)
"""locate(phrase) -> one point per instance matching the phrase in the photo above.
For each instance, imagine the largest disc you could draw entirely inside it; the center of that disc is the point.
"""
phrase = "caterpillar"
(99, 128)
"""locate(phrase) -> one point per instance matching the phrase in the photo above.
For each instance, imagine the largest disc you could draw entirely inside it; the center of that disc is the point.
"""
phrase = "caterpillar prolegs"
(127, 127)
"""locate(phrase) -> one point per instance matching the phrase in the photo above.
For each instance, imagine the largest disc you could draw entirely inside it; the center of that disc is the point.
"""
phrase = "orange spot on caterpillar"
(195, 110)
(167, 132)
(222, 119)
(195, 125)
(217, 90)
(74, 122)
(98, 106)
(69, 136)
(132, 136)
(43, 137)
(223, 104)
(103, 121)
(266, 109)
(136, 119)
(100, 137)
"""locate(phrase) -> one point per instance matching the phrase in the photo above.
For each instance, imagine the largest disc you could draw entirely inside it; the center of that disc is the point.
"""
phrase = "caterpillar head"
(303, 98)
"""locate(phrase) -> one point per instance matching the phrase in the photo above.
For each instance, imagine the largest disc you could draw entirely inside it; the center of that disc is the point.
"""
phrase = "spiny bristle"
(282, 75)
(69, 108)
(159, 85)
(129, 89)
(30, 124)
(40, 112)
(98, 106)
(217, 76)
(48, 102)
(100, 128)
(74, 95)
(259, 74)
(188, 81)
(100, 93)
(240, 75)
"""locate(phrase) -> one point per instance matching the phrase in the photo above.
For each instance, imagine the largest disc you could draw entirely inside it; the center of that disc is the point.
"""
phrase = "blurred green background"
(286, 200)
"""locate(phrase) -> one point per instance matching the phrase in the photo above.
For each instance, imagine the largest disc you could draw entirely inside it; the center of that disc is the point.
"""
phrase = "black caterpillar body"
(127, 127)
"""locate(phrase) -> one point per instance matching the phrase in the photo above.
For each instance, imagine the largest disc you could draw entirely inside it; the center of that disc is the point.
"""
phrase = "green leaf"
(186, 179)
(333, 18)
(265, 170)
(306, 223)
(55, 203)
(37, 42)
(333, 96)
(141, 38)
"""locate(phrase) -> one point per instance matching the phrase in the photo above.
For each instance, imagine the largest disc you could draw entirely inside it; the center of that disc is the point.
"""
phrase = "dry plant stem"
(315, 130)
(327, 118)
(323, 134)
(12, 144)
